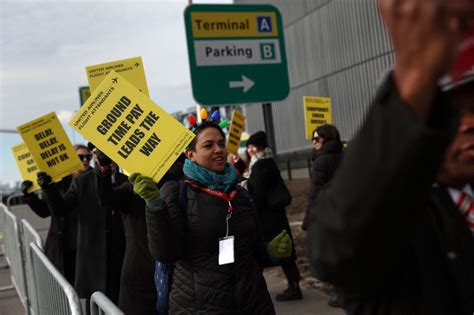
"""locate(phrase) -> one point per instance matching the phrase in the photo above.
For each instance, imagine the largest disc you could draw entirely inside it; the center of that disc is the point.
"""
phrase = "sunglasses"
(85, 156)
(315, 139)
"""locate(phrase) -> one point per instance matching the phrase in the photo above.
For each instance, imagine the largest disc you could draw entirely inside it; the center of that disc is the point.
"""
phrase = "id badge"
(226, 250)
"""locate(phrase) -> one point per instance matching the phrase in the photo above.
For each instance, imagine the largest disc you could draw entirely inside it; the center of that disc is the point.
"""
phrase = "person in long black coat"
(60, 244)
(190, 237)
(326, 157)
(396, 243)
(262, 178)
(137, 287)
(100, 239)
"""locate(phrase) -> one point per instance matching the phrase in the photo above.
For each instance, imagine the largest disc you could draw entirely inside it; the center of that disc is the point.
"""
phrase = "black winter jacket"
(100, 238)
(190, 239)
(60, 245)
(381, 233)
(137, 286)
(325, 162)
(265, 175)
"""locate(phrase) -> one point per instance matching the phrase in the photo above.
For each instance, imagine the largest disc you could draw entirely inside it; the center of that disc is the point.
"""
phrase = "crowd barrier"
(54, 294)
(14, 255)
(41, 288)
(28, 236)
(101, 305)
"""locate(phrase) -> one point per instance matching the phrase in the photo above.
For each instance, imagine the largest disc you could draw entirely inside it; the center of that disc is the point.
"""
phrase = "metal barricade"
(101, 305)
(2, 234)
(28, 236)
(14, 253)
(54, 294)
(15, 199)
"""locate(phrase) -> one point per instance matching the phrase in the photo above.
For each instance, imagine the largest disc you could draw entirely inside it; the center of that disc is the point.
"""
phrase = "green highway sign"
(236, 53)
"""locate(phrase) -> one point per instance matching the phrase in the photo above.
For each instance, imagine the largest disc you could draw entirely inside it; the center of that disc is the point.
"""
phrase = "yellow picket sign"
(235, 132)
(26, 165)
(131, 69)
(50, 146)
(130, 128)
(317, 111)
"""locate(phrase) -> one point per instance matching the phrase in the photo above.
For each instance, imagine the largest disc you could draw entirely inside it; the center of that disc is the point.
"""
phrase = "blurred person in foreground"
(60, 245)
(100, 238)
(266, 187)
(394, 228)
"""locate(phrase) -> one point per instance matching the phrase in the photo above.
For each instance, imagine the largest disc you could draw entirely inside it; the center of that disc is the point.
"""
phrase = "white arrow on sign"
(246, 83)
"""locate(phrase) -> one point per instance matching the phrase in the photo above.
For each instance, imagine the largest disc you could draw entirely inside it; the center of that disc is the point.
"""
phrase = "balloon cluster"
(215, 117)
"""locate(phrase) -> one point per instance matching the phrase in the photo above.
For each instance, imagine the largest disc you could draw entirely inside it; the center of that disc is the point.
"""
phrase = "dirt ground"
(299, 189)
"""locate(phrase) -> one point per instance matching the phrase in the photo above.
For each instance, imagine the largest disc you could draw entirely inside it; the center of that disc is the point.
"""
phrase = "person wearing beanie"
(265, 186)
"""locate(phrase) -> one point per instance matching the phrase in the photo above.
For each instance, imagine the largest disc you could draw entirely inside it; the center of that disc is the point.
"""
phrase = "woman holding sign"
(208, 227)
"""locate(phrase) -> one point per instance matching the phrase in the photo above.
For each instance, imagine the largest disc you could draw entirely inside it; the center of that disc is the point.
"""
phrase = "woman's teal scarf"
(212, 180)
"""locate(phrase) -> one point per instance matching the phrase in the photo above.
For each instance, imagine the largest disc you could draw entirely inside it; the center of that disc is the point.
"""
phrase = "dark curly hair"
(197, 131)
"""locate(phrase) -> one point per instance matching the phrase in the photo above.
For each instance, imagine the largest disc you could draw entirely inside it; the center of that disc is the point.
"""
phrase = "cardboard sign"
(317, 111)
(50, 147)
(130, 128)
(235, 132)
(131, 69)
(26, 165)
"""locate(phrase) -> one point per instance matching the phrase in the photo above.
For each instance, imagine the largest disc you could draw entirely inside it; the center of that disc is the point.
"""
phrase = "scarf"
(212, 180)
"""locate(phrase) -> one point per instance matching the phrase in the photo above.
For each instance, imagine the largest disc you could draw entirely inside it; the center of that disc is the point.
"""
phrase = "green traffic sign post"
(236, 54)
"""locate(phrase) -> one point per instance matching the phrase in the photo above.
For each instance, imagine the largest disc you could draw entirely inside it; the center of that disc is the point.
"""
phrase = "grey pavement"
(314, 302)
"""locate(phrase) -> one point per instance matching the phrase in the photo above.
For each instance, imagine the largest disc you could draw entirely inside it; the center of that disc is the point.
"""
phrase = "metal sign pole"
(269, 128)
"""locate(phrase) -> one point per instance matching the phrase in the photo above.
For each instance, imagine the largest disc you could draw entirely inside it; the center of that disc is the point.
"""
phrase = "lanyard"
(219, 194)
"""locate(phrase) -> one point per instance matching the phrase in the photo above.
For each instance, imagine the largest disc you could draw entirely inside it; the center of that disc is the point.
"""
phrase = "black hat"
(258, 139)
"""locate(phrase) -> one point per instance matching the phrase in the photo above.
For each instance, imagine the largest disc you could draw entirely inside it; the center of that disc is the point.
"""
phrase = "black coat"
(100, 238)
(60, 244)
(137, 287)
(325, 162)
(381, 233)
(190, 240)
(265, 175)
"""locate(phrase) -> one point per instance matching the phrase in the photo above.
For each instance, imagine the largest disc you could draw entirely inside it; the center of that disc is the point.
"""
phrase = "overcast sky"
(45, 46)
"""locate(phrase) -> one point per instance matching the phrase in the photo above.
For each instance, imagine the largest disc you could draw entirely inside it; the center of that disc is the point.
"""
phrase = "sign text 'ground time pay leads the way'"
(236, 53)
(130, 128)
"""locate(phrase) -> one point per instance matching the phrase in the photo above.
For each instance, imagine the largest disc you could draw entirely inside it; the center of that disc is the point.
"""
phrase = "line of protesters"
(390, 224)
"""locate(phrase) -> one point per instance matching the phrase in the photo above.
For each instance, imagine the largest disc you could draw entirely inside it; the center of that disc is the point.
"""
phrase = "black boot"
(292, 293)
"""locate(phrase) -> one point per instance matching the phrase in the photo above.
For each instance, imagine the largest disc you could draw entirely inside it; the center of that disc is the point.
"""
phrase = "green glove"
(280, 246)
(146, 188)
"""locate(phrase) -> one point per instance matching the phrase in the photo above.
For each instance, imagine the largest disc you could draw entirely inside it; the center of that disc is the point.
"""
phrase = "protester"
(265, 184)
(100, 239)
(60, 245)
(326, 157)
(190, 236)
(381, 231)
(137, 287)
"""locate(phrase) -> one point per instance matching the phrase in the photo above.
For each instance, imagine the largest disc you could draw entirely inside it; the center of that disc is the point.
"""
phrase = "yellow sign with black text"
(234, 24)
(130, 128)
(26, 165)
(235, 132)
(131, 69)
(50, 146)
(317, 111)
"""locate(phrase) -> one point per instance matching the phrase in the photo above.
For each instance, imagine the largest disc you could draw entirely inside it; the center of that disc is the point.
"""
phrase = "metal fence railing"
(101, 305)
(14, 255)
(54, 294)
(2, 236)
(28, 236)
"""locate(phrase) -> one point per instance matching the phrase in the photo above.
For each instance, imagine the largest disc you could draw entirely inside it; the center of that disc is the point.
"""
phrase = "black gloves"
(25, 185)
(44, 179)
